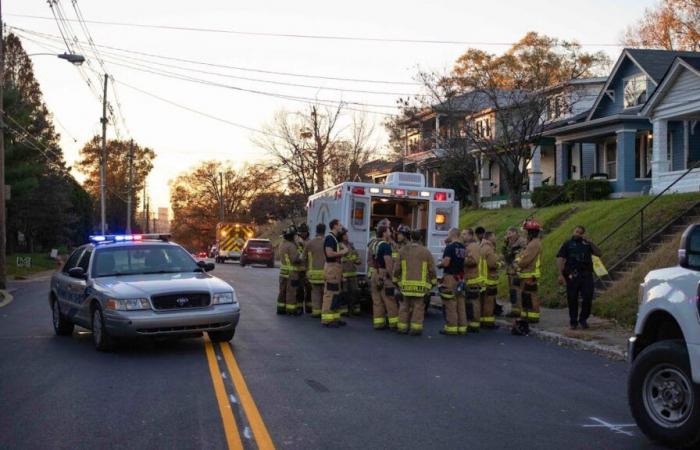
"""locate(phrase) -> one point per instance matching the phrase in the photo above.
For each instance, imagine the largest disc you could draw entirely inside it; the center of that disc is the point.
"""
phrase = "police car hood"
(135, 286)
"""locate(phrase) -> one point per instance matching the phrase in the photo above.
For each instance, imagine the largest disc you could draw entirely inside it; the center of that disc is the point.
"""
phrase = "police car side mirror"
(77, 272)
(689, 251)
(206, 266)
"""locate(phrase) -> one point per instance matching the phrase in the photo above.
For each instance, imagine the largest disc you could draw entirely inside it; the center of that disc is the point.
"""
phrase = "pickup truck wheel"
(222, 336)
(662, 396)
(61, 325)
(103, 341)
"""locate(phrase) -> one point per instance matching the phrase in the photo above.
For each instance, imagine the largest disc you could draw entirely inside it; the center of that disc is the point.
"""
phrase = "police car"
(123, 286)
(664, 381)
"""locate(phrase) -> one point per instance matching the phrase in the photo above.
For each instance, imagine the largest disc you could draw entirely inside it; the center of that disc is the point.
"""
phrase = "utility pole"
(148, 217)
(3, 218)
(145, 219)
(221, 195)
(131, 181)
(103, 157)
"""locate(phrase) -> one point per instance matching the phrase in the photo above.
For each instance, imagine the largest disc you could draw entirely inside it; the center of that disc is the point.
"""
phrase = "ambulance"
(404, 199)
(230, 239)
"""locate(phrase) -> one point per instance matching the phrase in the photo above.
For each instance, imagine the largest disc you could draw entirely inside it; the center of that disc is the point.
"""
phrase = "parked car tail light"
(128, 304)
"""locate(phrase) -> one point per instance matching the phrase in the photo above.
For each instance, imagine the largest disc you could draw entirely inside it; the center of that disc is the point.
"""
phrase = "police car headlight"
(128, 304)
(224, 298)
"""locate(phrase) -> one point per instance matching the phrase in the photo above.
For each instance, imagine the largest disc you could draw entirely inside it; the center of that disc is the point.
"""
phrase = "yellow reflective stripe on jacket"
(536, 274)
(414, 288)
(315, 276)
(289, 267)
(484, 273)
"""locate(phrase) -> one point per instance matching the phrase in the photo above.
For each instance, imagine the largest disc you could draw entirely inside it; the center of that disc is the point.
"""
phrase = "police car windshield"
(141, 259)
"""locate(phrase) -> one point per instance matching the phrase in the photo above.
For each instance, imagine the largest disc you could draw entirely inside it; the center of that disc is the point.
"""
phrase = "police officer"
(384, 306)
(304, 291)
(514, 244)
(575, 264)
(473, 281)
(350, 287)
(527, 264)
(314, 258)
(490, 265)
(414, 274)
(333, 275)
(453, 273)
(290, 260)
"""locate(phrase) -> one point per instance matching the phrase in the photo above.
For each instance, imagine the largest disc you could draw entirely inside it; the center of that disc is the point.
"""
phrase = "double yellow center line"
(231, 428)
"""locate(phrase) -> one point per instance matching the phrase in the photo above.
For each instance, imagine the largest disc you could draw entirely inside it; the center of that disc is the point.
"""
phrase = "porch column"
(626, 156)
(437, 131)
(535, 171)
(659, 155)
(563, 150)
(484, 178)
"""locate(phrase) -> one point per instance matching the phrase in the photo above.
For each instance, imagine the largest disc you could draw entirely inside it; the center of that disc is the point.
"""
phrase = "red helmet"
(531, 224)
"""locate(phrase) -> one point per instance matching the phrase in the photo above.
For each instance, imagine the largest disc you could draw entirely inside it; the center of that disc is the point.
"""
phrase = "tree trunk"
(320, 169)
(515, 189)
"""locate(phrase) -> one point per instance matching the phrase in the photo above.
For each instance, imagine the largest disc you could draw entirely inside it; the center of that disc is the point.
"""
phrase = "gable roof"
(679, 63)
(654, 63)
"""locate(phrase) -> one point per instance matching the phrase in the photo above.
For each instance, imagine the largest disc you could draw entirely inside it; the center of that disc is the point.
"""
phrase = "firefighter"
(372, 248)
(350, 262)
(314, 259)
(479, 232)
(473, 281)
(289, 274)
(304, 291)
(402, 238)
(415, 276)
(333, 276)
(528, 267)
(451, 290)
(513, 245)
(384, 307)
(490, 266)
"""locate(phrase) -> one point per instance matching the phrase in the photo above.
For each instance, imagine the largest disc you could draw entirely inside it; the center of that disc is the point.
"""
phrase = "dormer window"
(483, 127)
(556, 107)
(635, 91)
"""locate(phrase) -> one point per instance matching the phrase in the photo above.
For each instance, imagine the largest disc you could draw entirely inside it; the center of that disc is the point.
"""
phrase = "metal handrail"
(640, 211)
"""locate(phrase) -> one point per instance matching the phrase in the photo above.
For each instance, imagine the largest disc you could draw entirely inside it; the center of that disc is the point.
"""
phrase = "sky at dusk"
(182, 137)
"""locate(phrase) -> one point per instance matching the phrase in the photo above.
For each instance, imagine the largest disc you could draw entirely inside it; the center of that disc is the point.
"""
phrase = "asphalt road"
(308, 387)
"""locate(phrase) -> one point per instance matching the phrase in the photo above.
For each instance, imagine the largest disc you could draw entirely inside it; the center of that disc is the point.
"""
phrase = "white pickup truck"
(664, 381)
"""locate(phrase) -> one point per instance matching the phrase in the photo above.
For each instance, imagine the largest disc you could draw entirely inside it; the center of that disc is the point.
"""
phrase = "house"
(615, 138)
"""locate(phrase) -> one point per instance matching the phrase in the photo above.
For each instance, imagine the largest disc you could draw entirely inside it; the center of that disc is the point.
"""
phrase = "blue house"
(615, 139)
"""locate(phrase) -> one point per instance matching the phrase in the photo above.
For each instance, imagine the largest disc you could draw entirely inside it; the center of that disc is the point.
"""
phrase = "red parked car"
(258, 251)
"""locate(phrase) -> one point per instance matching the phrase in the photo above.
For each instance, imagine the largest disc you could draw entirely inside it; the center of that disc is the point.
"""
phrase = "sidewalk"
(603, 337)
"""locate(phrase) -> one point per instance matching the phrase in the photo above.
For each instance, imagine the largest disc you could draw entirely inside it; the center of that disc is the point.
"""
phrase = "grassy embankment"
(600, 218)
(39, 263)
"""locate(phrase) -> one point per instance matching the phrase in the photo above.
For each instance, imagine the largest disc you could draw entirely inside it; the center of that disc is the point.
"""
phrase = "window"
(611, 159)
(142, 259)
(358, 213)
(555, 107)
(635, 91)
(73, 259)
(483, 128)
(443, 219)
(85, 259)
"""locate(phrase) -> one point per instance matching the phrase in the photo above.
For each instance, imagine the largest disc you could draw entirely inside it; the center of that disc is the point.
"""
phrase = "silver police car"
(140, 285)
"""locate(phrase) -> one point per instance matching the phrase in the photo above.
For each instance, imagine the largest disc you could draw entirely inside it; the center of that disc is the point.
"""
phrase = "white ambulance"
(403, 199)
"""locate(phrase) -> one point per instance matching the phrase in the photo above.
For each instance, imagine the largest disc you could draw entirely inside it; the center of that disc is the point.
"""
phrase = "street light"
(72, 58)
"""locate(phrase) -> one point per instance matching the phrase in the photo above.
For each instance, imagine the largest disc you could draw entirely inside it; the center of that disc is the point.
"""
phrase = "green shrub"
(587, 190)
(548, 195)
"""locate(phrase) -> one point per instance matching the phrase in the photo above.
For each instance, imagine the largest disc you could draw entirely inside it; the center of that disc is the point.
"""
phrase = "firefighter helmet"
(405, 230)
(303, 228)
(531, 224)
(289, 232)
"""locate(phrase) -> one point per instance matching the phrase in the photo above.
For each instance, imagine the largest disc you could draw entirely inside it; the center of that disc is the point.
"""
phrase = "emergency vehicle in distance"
(403, 199)
(230, 239)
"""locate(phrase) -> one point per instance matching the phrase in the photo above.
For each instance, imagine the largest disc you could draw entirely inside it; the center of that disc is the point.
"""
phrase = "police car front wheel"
(101, 338)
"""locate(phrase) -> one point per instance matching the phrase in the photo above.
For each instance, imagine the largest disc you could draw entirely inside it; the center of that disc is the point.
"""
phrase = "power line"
(302, 36)
(240, 68)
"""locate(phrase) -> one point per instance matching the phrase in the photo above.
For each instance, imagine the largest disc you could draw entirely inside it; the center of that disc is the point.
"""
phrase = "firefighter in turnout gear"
(384, 307)
(372, 248)
(333, 276)
(528, 267)
(289, 274)
(415, 276)
(350, 286)
(514, 244)
(304, 291)
(473, 281)
(490, 266)
(452, 288)
(314, 259)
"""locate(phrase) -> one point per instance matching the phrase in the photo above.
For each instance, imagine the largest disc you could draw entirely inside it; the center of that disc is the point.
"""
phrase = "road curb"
(608, 351)
(5, 298)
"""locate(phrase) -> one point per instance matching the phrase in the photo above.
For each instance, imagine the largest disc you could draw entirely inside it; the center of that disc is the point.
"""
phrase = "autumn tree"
(196, 197)
(670, 25)
(116, 177)
(276, 206)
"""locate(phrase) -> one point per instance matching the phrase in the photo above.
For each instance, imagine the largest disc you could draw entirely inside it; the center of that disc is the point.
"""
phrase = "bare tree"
(353, 150)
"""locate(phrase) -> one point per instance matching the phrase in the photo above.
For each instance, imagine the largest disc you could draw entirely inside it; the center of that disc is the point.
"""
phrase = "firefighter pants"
(384, 306)
(351, 293)
(515, 295)
(333, 274)
(531, 301)
(488, 306)
(473, 306)
(304, 293)
(287, 298)
(411, 314)
(453, 306)
(316, 299)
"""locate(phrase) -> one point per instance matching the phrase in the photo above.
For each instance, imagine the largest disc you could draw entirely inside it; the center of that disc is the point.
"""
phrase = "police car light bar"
(129, 237)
